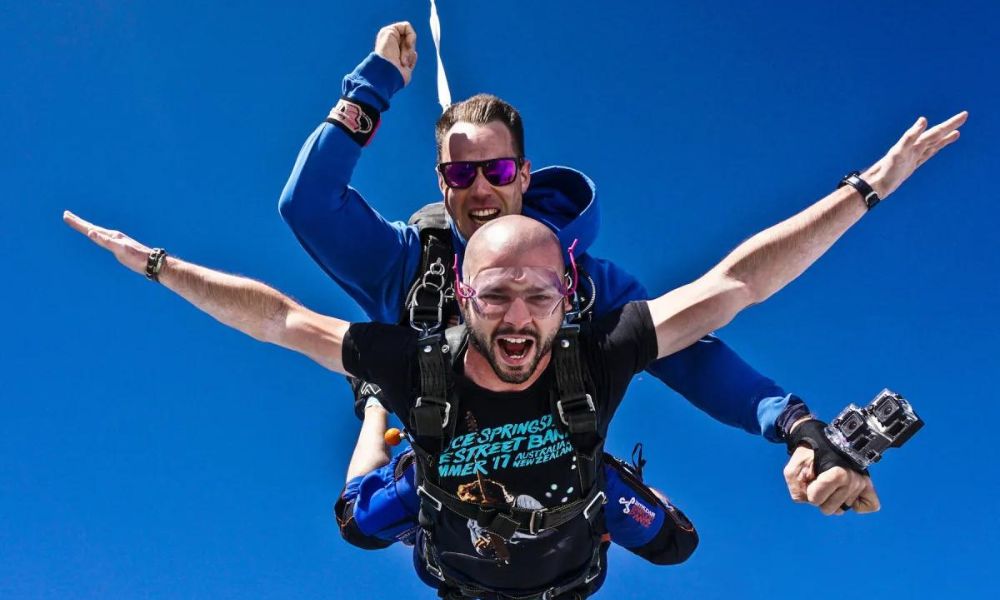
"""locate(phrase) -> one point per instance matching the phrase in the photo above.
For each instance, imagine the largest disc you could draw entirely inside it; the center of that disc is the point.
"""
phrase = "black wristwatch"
(854, 180)
(154, 263)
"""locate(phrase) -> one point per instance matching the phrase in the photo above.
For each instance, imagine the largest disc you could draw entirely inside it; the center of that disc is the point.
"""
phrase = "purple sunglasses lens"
(501, 171)
(459, 174)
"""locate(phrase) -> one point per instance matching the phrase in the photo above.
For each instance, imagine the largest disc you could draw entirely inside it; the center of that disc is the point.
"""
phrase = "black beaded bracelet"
(154, 263)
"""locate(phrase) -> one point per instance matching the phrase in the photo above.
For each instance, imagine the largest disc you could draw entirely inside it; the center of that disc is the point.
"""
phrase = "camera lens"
(850, 425)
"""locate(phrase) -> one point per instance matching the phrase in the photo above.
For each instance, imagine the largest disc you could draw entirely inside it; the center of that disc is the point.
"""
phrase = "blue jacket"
(329, 218)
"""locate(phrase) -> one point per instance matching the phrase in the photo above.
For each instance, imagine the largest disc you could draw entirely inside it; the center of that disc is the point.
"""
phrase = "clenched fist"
(397, 43)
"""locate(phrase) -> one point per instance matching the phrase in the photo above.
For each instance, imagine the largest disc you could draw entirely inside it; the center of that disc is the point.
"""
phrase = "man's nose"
(481, 185)
(517, 314)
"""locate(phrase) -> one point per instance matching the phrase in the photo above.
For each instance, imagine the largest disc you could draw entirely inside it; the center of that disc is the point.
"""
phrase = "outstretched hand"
(397, 43)
(129, 252)
(915, 148)
(832, 489)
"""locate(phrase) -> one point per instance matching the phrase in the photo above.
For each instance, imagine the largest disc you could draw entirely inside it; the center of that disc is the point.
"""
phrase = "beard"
(485, 345)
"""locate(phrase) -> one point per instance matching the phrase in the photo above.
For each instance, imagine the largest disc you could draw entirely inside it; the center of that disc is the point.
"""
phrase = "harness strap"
(433, 415)
(430, 300)
(577, 588)
(505, 522)
(574, 407)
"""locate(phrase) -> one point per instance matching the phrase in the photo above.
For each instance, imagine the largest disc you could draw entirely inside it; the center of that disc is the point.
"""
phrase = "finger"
(951, 138)
(844, 495)
(942, 129)
(407, 34)
(101, 238)
(826, 484)
(867, 501)
(913, 133)
(931, 151)
(77, 223)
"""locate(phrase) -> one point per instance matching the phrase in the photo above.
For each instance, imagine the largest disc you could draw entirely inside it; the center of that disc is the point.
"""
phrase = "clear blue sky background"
(147, 452)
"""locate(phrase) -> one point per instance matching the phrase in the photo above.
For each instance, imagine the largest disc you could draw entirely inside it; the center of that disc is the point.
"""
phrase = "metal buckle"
(562, 415)
(424, 328)
(447, 409)
(422, 491)
(586, 511)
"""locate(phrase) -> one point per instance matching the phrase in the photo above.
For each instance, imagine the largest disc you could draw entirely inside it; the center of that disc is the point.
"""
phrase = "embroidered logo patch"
(352, 117)
(635, 509)
(370, 390)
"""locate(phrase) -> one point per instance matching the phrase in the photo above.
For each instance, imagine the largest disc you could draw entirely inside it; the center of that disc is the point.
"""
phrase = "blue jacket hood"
(564, 199)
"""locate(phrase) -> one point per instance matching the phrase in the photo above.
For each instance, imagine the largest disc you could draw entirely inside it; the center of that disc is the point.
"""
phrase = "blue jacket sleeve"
(371, 258)
(709, 374)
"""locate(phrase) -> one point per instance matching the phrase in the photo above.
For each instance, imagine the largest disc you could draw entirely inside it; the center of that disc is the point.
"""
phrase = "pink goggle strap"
(462, 290)
(576, 273)
(465, 291)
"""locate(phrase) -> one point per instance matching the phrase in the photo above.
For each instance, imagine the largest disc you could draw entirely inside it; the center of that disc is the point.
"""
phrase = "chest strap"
(507, 521)
(433, 415)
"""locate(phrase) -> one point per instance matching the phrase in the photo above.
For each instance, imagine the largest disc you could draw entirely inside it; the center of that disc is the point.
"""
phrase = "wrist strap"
(854, 180)
(154, 263)
(812, 434)
(356, 119)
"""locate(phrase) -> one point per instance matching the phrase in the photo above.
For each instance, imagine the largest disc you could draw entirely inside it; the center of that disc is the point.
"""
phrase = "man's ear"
(525, 175)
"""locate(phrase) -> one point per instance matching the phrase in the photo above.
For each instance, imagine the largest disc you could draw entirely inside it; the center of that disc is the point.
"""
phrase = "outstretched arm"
(257, 310)
(768, 261)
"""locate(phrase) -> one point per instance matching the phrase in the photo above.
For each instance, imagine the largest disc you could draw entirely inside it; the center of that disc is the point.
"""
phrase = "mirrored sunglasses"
(461, 174)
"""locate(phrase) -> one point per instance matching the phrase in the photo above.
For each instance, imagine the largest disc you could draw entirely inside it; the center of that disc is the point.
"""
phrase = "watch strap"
(854, 180)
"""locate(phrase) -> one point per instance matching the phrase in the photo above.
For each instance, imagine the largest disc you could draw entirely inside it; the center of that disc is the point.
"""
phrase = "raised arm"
(371, 258)
(244, 304)
(768, 261)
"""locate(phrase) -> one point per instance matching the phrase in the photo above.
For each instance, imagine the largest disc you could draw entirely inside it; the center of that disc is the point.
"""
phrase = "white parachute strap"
(444, 94)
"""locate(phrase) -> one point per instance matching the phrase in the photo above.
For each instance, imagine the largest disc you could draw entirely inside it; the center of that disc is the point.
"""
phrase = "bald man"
(507, 456)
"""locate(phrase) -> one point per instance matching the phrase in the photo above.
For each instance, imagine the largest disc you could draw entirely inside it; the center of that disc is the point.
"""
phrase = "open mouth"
(483, 215)
(515, 349)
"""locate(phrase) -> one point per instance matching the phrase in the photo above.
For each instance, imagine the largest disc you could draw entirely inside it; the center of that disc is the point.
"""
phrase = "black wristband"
(363, 391)
(827, 456)
(154, 263)
(356, 119)
(854, 180)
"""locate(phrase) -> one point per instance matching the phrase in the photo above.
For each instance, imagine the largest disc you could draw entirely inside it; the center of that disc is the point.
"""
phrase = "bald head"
(512, 241)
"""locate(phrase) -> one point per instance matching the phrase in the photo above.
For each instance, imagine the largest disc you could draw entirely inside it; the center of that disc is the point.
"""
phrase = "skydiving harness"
(433, 419)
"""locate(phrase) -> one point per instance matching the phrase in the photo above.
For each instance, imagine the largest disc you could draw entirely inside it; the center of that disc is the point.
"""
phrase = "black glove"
(363, 390)
(828, 456)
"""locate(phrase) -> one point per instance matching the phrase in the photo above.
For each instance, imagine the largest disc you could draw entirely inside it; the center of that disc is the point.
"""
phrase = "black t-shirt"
(506, 450)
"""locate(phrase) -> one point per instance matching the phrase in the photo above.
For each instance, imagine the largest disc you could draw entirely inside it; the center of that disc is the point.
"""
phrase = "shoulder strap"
(430, 300)
(573, 407)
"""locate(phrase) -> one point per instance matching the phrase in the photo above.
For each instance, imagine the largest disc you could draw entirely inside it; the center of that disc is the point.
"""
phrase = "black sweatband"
(795, 409)
(356, 119)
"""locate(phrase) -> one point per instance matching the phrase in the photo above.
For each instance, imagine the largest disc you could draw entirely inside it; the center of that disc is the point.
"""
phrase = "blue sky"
(147, 452)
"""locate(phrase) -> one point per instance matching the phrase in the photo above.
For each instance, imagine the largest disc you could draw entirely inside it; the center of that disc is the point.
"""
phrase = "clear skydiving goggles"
(492, 291)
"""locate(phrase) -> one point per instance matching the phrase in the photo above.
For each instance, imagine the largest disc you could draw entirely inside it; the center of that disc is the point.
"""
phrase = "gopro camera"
(863, 434)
